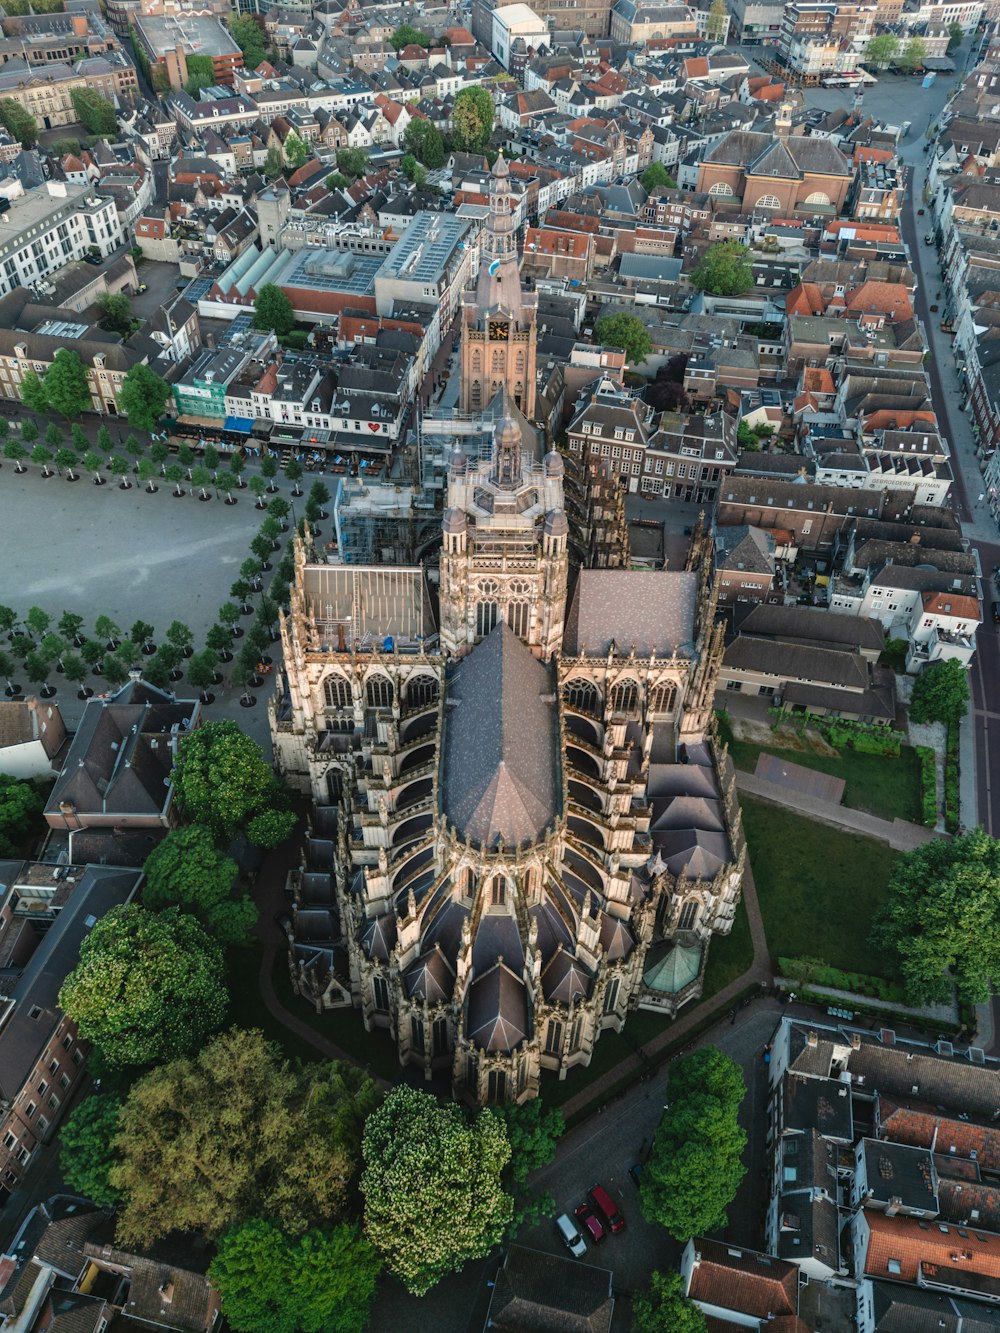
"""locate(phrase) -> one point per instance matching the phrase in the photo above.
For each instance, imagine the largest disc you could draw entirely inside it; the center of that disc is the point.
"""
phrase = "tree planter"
(178, 494)
(47, 692)
(246, 609)
(150, 489)
(176, 674)
(73, 477)
(218, 677)
(187, 651)
(203, 498)
(267, 567)
(124, 485)
(224, 656)
(248, 700)
(85, 692)
(207, 697)
(231, 500)
(98, 481)
(237, 632)
(148, 649)
(12, 689)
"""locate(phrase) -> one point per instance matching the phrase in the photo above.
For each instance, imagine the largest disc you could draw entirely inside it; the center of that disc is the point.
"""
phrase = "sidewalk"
(897, 833)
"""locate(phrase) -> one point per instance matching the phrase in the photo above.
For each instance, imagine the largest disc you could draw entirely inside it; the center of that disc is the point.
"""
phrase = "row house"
(218, 113)
(41, 1053)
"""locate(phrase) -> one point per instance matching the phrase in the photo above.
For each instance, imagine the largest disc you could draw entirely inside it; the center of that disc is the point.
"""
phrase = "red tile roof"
(961, 608)
(818, 379)
(937, 1247)
(743, 1281)
(805, 299)
(890, 299)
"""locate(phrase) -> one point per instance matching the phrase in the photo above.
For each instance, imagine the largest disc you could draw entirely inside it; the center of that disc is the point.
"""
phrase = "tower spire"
(499, 284)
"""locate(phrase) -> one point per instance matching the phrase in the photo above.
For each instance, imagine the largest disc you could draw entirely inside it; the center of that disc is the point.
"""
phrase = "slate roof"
(430, 978)
(813, 624)
(500, 771)
(497, 1016)
(564, 979)
(545, 1293)
(900, 1309)
(162, 1293)
(650, 610)
(742, 547)
(756, 153)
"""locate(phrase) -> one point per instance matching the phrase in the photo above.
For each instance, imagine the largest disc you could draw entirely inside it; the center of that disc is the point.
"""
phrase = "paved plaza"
(74, 546)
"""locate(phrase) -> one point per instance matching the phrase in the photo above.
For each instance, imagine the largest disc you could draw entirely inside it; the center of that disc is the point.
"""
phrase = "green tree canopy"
(880, 51)
(86, 1148)
(694, 1167)
(413, 170)
(249, 36)
(201, 74)
(18, 122)
(63, 388)
(431, 1185)
(627, 332)
(913, 55)
(148, 986)
(942, 919)
(322, 1283)
(116, 312)
(20, 805)
(956, 35)
(353, 162)
(270, 828)
(715, 25)
(235, 1132)
(142, 398)
(273, 311)
(96, 113)
(656, 177)
(296, 150)
(424, 140)
(725, 270)
(664, 1307)
(274, 163)
(472, 120)
(407, 35)
(940, 693)
(187, 870)
(33, 395)
(222, 779)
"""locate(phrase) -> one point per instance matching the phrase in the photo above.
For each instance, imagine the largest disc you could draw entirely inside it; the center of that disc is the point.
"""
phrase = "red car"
(590, 1222)
(607, 1209)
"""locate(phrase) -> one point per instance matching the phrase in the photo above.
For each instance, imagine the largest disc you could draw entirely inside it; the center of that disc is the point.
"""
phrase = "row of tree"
(64, 388)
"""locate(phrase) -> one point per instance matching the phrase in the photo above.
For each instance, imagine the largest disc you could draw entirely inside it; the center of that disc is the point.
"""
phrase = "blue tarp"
(244, 425)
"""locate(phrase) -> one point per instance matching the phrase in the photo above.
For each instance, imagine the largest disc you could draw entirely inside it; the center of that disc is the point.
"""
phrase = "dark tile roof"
(430, 978)
(814, 625)
(500, 766)
(565, 980)
(497, 1018)
(160, 1292)
(544, 1293)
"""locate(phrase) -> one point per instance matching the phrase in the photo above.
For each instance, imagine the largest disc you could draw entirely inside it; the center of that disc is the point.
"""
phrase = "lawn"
(877, 784)
(729, 956)
(819, 888)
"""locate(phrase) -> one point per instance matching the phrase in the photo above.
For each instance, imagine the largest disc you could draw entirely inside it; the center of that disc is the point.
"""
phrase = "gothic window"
(518, 614)
(486, 618)
(497, 1086)
(520, 588)
(582, 695)
(498, 891)
(611, 996)
(576, 1034)
(439, 1036)
(768, 201)
(476, 396)
(498, 362)
(379, 692)
(421, 690)
(553, 1037)
(520, 363)
(624, 697)
(466, 881)
(334, 785)
(380, 991)
(338, 692)
(416, 1033)
(477, 363)
(689, 915)
(662, 697)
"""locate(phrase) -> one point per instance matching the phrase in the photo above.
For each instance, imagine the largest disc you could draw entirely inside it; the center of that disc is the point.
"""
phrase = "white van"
(572, 1239)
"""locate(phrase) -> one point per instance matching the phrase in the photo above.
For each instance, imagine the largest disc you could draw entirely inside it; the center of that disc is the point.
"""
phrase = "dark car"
(92, 259)
(635, 1174)
(996, 613)
(607, 1208)
(590, 1222)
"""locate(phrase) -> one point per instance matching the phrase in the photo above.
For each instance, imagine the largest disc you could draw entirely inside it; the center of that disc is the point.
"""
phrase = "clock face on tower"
(499, 328)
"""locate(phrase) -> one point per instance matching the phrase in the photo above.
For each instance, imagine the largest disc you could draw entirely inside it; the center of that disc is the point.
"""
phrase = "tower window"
(518, 616)
(337, 692)
(486, 618)
(379, 692)
(498, 891)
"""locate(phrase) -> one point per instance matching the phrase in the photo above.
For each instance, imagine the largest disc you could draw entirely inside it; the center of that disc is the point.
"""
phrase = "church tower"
(499, 329)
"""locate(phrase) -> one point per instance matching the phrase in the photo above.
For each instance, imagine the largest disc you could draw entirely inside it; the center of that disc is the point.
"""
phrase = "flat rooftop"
(425, 249)
(195, 34)
(332, 271)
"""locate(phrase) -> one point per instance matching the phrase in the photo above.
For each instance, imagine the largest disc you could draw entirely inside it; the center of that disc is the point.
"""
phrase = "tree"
(694, 1167)
(29, 431)
(103, 439)
(95, 113)
(274, 163)
(201, 479)
(69, 626)
(296, 150)
(532, 1131)
(20, 805)
(221, 777)
(627, 332)
(78, 438)
(234, 1131)
(269, 469)
(54, 437)
(141, 635)
(431, 1186)
(147, 471)
(407, 35)
(86, 1148)
(148, 986)
(37, 621)
(186, 870)
(940, 693)
(336, 181)
(106, 629)
(66, 462)
(913, 55)
(293, 471)
(271, 828)
(33, 394)
(175, 475)
(472, 120)
(248, 35)
(353, 162)
(656, 177)
(75, 671)
(142, 398)
(725, 270)
(716, 25)
(956, 35)
(20, 124)
(201, 74)
(64, 387)
(424, 140)
(880, 51)
(273, 311)
(203, 673)
(116, 312)
(219, 640)
(16, 452)
(664, 1306)
(323, 1283)
(942, 919)
(93, 462)
(413, 170)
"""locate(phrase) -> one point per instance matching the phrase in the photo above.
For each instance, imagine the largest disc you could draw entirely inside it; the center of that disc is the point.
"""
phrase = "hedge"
(928, 783)
(842, 734)
(813, 971)
(951, 800)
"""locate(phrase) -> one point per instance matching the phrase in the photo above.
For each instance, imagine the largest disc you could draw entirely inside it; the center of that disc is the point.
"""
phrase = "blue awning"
(244, 425)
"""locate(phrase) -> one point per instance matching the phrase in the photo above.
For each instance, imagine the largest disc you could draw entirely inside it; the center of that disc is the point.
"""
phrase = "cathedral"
(521, 826)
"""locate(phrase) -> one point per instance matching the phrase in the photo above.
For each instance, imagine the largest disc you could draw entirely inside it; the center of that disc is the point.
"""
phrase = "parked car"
(920, 212)
(590, 1222)
(607, 1208)
(996, 613)
(934, 309)
(142, 287)
(92, 259)
(571, 1237)
(635, 1174)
